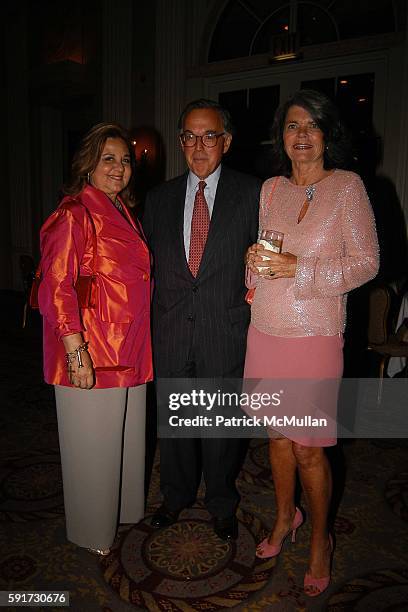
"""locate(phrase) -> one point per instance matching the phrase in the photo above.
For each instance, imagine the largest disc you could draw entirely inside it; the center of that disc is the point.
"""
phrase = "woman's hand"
(270, 265)
(252, 258)
(81, 377)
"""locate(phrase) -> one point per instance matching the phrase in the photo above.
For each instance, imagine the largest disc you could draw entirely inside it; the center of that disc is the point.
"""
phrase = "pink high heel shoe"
(315, 586)
(266, 550)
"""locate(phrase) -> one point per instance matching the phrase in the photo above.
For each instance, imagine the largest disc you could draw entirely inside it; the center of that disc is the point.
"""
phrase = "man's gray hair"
(204, 103)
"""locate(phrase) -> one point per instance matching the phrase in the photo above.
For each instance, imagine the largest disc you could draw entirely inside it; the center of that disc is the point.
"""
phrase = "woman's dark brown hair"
(89, 153)
(336, 138)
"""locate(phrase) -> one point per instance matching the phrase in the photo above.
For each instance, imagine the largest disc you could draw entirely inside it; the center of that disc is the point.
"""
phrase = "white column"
(170, 78)
(117, 61)
(19, 140)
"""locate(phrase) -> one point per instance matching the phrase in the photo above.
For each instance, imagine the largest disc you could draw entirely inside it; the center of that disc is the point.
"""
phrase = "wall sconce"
(148, 150)
(140, 156)
(146, 145)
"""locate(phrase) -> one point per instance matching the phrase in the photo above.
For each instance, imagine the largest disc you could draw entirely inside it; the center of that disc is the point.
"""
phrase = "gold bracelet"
(76, 354)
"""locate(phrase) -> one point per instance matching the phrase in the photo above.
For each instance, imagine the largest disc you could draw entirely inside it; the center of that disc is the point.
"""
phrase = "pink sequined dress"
(297, 323)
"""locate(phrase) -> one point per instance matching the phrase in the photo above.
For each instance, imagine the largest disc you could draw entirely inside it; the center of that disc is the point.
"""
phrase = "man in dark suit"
(199, 226)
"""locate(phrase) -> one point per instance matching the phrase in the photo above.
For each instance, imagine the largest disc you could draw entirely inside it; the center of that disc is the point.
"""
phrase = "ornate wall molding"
(310, 53)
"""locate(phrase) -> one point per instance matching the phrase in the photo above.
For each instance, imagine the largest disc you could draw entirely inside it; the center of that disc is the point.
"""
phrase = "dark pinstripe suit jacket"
(207, 316)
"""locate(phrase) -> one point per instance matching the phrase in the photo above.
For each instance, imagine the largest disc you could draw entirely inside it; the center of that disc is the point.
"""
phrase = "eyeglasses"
(188, 139)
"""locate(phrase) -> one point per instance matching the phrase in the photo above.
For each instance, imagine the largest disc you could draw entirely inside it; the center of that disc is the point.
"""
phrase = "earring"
(88, 178)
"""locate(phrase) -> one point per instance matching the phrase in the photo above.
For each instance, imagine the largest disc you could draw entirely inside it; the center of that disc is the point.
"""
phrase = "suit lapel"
(223, 211)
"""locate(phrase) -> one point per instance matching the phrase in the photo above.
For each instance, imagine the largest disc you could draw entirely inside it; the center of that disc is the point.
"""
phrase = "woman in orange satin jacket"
(98, 354)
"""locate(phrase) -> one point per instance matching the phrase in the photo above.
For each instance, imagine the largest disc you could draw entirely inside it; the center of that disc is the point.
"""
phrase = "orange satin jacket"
(118, 328)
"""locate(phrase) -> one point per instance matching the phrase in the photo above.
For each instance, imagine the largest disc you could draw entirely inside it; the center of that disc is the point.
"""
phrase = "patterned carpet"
(186, 567)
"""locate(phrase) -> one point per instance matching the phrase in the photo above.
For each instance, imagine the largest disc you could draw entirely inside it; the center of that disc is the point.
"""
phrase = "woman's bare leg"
(316, 480)
(283, 465)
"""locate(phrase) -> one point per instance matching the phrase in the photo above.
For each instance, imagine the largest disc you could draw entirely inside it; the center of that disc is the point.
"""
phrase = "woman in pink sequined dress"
(298, 309)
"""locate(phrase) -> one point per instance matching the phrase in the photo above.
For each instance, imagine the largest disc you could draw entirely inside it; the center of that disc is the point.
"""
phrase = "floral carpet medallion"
(379, 591)
(31, 488)
(17, 569)
(186, 566)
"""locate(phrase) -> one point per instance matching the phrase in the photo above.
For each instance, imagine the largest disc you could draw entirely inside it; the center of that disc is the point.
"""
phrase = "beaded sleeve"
(359, 261)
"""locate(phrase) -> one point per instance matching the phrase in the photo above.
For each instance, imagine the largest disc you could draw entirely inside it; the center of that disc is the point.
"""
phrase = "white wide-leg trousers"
(102, 445)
